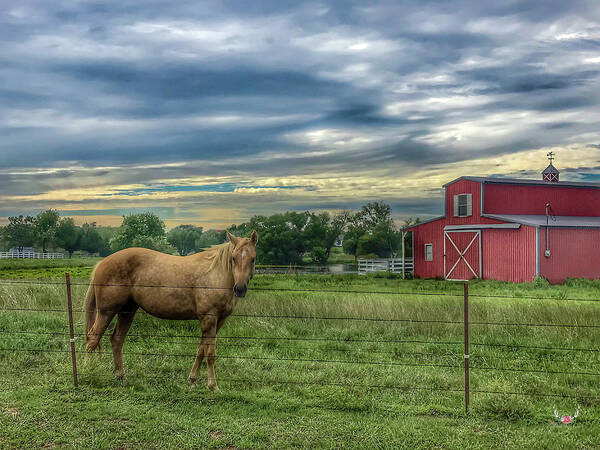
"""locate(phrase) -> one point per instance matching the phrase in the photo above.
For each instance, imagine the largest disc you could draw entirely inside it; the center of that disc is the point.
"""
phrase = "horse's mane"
(219, 257)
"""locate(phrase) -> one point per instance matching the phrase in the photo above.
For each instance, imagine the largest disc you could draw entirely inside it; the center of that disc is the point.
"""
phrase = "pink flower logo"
(566, 420)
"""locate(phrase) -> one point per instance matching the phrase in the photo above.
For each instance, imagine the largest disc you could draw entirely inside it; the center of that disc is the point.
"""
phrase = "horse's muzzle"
(240, 291)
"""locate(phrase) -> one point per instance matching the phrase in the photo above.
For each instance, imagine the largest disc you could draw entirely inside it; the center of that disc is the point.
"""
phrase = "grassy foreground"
(310, 382)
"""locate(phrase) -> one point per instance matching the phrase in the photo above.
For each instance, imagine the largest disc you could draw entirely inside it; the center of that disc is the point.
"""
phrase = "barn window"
(463, 206)
(428, 252)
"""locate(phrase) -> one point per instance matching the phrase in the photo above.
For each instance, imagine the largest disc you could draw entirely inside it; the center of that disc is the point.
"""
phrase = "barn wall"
(508, 255)
(433, 232)
(565, 201)
(465, 187)
(429, 233)
(575, 253)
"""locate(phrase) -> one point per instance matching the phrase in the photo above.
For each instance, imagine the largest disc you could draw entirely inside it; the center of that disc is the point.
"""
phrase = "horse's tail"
(90, 307)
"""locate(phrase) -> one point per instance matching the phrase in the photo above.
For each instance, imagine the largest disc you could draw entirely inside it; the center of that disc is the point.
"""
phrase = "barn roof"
(524, 181)
(551, 169)
(536, 220)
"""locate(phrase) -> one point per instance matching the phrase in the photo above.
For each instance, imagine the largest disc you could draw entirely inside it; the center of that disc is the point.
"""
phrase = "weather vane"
(550, 156)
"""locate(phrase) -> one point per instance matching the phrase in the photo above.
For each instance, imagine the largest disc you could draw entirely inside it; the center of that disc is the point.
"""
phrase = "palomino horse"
(202, 286)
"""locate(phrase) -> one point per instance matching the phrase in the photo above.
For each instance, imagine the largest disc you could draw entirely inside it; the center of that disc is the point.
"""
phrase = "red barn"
(512, 230)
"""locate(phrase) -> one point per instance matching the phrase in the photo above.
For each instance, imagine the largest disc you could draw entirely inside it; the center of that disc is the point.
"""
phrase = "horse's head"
(243, 256)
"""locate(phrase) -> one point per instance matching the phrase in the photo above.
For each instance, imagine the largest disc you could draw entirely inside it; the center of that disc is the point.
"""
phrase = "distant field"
(11, 263)
(279, 376)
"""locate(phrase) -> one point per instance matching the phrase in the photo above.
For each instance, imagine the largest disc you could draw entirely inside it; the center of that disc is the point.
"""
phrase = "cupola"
(550, 173)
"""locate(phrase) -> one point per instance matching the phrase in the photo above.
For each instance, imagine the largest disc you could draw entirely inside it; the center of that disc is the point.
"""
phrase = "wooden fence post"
(70, 304)
(466, 326)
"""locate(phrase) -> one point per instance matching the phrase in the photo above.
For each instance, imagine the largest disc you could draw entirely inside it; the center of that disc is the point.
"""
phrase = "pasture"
(310, 369)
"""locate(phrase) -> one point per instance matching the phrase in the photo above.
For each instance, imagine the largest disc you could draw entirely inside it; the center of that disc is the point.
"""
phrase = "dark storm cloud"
(509, 80)
(278, 88)
(192, 81)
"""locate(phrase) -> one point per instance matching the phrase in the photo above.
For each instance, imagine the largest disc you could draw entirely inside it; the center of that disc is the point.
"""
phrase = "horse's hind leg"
(103, 318)
(124, 321)
(199, 357)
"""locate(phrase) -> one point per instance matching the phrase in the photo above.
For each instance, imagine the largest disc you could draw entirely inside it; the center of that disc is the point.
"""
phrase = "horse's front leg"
(211, 353)
(209, 331)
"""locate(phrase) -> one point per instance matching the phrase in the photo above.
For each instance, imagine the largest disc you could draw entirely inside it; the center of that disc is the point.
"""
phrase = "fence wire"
(317, 360)
(236, 339)
(456, 294)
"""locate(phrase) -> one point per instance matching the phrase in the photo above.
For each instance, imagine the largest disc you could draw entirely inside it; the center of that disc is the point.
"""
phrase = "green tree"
(356, 229)
(141, 230)
(240, 230)
(92, 241)
(382, 241)
(282, 238)
(335, 229)
(286, 238)
(184, 238)
(408, 241)
(4, 244)
(46, 224)
(318, 255)
(315, 233)
(68, 235)
(20, 231)
(372, 231)
(106, 233)
(411, 221)
(211, 237)
(375, 213)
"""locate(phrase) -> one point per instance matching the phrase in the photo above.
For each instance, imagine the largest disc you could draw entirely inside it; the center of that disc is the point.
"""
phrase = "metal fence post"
(466, 326)
(70, 304)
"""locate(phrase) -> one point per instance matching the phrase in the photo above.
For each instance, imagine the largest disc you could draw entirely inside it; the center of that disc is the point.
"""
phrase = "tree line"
(49, 230)
(286, 238)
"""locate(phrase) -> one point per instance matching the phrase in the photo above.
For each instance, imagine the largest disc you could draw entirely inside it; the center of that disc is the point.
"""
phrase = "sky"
(212, 112)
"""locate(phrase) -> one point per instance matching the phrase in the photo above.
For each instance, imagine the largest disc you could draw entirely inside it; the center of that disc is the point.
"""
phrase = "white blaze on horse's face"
(242, 261)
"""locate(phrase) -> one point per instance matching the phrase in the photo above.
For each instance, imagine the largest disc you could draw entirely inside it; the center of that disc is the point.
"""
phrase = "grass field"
(310, 382)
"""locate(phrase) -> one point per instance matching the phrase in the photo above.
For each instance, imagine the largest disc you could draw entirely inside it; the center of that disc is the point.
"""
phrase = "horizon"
(209, 116)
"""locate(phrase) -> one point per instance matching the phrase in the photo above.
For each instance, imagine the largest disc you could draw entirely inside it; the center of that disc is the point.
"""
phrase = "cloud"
(273, 105)
(221, 187)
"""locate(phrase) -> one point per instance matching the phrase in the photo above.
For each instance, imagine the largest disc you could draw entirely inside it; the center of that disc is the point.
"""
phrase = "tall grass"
(330, 366)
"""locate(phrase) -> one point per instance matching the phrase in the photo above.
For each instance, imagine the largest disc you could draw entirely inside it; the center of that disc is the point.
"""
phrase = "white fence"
(31, 255)
(385, 265)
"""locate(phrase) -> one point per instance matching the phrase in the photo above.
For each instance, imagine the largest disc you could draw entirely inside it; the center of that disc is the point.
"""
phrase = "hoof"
(214, 388)
(192, 381)
(120, 374)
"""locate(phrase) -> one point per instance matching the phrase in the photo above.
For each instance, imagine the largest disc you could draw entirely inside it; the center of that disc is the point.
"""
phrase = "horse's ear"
(231, 238)
(254, 237)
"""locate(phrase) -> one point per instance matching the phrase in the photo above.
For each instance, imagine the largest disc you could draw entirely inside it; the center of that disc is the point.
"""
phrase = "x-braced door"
(462, 254)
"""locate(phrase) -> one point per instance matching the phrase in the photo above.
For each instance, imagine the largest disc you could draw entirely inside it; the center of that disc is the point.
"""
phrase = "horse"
(204, 286)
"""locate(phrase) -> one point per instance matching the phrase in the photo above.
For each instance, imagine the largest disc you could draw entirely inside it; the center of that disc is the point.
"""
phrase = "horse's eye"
(233, 260)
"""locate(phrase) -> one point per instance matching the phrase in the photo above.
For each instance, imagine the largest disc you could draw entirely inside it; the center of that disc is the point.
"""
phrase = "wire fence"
(460, 359)
(325, 361)
(456, 294)
(350, 318)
